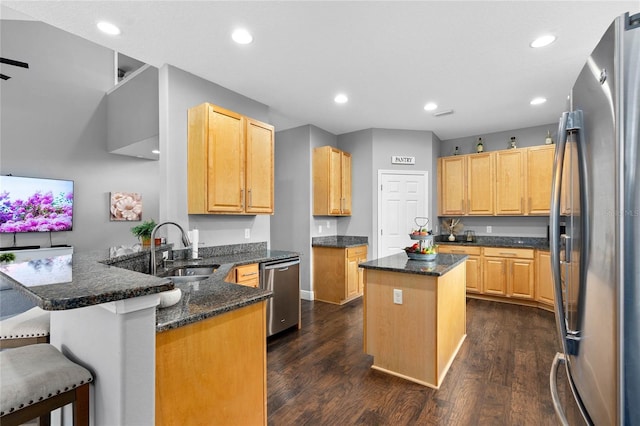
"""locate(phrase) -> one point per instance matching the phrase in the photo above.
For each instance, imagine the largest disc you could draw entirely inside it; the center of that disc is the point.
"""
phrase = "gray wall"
(180, 91)
(54, 124)
(414, 143)
(505, 226)
(290, 226)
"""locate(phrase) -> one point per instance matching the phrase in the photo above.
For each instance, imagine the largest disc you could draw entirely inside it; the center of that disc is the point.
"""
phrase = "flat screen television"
(35, 204)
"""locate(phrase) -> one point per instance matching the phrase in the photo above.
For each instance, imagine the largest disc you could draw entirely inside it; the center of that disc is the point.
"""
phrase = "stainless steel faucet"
(185, 241)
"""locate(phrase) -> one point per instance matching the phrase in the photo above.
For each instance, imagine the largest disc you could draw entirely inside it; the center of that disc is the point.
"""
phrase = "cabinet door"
(510, 182)
(474, 274)
(544, 280)
(346, 183)
(521, 278)
(451, 185)
(335, 182)
(495, 276)
(353, 276)
(361, 259)
(225, 161)
(260, 168)
(539, 177)
(480, 184)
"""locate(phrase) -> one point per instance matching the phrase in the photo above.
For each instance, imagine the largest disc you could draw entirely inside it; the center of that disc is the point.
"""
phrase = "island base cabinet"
(418, 339)
(213, 372)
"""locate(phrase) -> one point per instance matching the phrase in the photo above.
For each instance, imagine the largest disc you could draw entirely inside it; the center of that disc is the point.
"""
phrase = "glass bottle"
(480, 146)
(456, 151)
(513, 142)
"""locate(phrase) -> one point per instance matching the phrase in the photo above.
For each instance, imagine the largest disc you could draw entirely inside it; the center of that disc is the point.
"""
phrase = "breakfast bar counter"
(415, 315)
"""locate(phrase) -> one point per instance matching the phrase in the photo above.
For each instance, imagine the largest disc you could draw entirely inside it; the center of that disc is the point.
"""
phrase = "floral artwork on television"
(35, 204)
(126, 206)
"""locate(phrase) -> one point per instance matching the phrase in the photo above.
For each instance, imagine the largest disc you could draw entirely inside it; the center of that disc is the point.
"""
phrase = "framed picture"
(125, 206)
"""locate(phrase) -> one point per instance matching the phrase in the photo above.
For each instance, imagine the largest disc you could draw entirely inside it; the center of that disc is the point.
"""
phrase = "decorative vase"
(452, 237)
(146, 241)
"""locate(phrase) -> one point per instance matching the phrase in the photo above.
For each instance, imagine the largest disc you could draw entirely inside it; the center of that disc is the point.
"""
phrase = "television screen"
(35, 204)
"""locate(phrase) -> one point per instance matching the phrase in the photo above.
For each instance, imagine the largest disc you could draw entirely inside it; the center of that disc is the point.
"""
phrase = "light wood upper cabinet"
(539, 178)
(229, 162)
(511, 185)
(480, 184)
(331, 182)
(260, 167)
(452, 192)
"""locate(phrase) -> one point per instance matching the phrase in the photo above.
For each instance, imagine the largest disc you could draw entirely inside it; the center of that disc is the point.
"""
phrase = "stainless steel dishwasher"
(282, 277)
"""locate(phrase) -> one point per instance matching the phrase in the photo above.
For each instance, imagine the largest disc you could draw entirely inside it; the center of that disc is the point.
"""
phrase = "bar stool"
(37, 379)
(26, 328)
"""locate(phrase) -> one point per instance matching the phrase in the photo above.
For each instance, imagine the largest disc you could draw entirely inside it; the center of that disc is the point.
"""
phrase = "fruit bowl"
(413, 255)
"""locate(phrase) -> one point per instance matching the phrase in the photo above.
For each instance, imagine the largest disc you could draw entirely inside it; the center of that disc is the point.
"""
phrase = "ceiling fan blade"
(4, 77)
(14, 63)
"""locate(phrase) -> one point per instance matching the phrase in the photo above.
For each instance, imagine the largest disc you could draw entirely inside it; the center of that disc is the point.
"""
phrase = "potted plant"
(7, 257)
(143, 231)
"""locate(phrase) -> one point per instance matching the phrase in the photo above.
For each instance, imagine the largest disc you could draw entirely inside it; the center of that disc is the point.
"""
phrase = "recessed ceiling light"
(538, 101)
(430, 106)
(242, 36)
(108, 28)
(341, 98)
(545, 40)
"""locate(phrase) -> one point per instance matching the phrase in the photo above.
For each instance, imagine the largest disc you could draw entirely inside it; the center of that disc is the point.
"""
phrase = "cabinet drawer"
(356, 251)
(247, 274)
(445, 248)
(508, 252)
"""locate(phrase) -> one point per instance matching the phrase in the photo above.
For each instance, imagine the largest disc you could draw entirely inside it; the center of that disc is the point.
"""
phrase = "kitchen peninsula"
(415, 315)
(104, 316)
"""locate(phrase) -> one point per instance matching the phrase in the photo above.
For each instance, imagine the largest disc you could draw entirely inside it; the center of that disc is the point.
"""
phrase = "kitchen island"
(104, 316)
(415, 315)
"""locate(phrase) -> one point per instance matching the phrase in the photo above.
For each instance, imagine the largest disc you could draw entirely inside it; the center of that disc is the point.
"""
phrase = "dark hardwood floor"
(320, 375)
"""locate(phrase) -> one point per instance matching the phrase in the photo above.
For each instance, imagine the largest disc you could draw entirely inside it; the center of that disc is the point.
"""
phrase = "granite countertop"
(78, 280)
(83, 279)
(487, 241)
(339, 241)
(401, 263)
(214, 296)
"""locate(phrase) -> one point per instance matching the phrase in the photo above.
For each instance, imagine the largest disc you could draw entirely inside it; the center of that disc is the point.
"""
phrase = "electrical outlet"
(247, 233)
(319, 229)
(328, 225)
(489, 230)
(397, 296)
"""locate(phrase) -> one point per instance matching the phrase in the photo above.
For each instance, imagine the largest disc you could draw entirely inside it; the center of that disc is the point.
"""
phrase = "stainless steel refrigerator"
(596, 262)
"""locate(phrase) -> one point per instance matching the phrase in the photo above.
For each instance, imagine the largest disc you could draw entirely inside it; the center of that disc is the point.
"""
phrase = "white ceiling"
(389, 57)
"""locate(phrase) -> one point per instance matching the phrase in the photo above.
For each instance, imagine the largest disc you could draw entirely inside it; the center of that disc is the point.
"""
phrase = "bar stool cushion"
(34, 373)
(32, 323)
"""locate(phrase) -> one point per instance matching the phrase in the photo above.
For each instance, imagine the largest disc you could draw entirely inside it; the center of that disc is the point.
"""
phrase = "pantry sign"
(402, 159)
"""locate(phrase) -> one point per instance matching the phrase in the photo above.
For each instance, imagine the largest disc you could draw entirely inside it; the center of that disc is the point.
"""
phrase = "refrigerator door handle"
(554, 231)
(553, 384)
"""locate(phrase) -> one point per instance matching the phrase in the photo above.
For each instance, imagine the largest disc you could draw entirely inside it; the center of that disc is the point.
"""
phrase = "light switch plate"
(397, 296)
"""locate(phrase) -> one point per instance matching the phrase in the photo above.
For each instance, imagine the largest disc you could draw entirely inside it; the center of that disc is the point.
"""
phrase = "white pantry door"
(403, 196)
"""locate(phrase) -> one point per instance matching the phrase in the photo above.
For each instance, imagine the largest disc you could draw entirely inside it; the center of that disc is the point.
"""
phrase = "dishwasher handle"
(279, 265)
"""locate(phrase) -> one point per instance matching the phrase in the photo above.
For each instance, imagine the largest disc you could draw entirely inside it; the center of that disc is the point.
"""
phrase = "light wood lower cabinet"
(544, 279)
(245, 275)
(509, 272)
(474, 265)
(337, 278)
(214, 371)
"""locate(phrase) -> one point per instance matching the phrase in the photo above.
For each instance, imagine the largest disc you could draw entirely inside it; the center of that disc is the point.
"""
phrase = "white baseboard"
(307, 295)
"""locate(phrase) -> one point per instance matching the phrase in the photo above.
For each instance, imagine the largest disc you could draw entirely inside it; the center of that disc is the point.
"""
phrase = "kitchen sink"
(191, 273)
